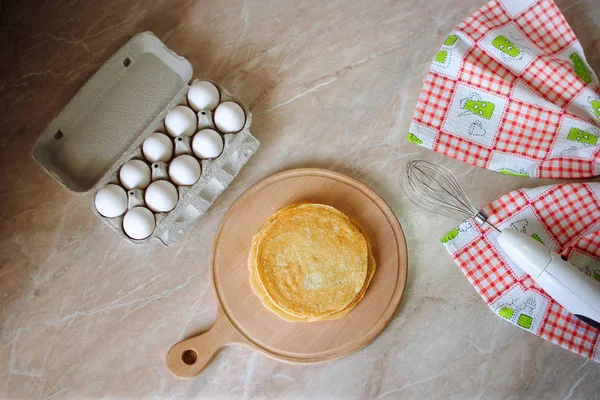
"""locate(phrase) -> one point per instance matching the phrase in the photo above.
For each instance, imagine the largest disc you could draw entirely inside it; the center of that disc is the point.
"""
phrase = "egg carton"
(106, 122)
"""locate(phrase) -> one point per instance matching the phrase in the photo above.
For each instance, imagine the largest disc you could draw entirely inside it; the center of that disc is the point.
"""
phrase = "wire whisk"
(434, 188)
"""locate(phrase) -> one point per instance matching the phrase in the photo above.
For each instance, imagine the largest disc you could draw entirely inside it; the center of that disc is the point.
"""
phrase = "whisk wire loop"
(434, 188)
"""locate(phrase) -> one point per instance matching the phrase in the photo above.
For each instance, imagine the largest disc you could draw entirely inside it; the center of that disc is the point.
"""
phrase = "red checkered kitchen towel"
(510, 90)
(566, 219)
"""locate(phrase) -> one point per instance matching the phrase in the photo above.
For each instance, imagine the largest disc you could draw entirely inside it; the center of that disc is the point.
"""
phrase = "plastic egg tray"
(106, 122)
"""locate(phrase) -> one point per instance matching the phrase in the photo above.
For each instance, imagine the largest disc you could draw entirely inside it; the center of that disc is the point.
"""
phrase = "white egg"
(203, 95)
(135, 174)
(181, 121)
(161, 196)
(207, 144)
(139, 223)
(157, 147)
(184, 170)
(111, 201)
(229, 117)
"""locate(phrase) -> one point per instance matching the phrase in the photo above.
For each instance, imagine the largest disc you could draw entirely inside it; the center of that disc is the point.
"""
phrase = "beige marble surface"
(332, 84)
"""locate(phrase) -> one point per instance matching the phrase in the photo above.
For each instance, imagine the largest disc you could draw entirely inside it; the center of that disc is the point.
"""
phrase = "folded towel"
(566, 219)
(510, 90)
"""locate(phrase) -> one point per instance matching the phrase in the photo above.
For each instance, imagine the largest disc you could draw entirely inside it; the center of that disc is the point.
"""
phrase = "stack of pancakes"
(310, 262)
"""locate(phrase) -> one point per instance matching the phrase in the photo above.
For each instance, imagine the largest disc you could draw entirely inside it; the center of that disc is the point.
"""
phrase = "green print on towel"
(580, 68)
(444, 55)
(536, 237)
(595, 103)
(506, 312)
(450, 40)
(441, 56)
(581, 136)
(525, 321)
(507, 47)
(413, 138)
(510, 172)
(521, 315)
(474, 104)
(450, 235)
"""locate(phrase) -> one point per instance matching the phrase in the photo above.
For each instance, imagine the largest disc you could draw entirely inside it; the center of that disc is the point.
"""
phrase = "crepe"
(310, 262)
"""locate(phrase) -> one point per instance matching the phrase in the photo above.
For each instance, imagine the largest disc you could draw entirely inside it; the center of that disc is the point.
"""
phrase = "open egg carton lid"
(106, 122)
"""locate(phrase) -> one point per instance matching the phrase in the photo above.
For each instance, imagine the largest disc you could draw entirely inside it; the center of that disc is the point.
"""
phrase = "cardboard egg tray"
(106, 122)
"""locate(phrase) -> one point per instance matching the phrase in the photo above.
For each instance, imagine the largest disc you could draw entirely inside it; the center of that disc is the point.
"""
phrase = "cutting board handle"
(190, 356)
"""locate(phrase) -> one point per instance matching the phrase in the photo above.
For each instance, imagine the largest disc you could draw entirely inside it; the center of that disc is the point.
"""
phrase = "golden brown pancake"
(310, 262)
(259, 290)
(370, 272)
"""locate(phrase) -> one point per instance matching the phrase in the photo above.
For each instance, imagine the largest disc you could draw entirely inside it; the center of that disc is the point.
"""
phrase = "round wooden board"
(241, 317)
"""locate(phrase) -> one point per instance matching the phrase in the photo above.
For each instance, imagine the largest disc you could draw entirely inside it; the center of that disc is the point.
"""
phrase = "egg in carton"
(193, 200)
(104, 126)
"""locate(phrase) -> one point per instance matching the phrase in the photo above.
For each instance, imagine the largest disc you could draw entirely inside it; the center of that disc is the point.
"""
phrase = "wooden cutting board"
(241, 317)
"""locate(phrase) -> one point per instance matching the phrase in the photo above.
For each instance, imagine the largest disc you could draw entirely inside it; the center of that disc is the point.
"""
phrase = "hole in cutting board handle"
(58, 135)
(127, 62)
(189, 357)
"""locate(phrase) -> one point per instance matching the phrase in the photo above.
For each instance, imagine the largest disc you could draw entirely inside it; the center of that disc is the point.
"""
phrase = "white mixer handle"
(567, 285)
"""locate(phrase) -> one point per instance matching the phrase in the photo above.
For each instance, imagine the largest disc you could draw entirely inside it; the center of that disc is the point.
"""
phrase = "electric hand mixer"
(434, 188)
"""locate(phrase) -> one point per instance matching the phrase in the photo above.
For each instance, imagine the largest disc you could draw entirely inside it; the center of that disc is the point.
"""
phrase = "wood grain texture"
(242, 319)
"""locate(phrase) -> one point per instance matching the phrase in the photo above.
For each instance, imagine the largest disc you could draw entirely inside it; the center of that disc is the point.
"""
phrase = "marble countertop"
(84, 314)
